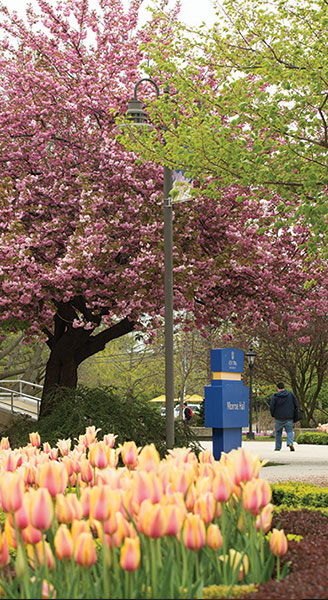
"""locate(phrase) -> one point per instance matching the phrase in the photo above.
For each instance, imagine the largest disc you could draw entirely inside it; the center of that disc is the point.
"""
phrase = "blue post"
(226, 400)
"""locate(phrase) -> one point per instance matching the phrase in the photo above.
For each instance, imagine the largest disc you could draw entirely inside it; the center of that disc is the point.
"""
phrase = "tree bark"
(70, 346)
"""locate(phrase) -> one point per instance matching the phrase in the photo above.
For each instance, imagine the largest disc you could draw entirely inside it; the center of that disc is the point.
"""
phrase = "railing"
(16, 400)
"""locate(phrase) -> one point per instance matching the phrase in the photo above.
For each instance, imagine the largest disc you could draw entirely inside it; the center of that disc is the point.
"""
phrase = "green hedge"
(298, 494)
(315, 437)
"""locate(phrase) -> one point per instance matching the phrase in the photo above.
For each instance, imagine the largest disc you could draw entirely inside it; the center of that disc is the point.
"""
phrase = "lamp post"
(250, 355)
(136, 114)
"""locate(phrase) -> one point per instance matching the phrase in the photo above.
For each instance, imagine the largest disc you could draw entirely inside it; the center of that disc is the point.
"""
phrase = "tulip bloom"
(129, 453)
(243, 465)
(149, 458)
(11, 491)
(193, 532)
(100, 502)
(173, 518)
(278, 542)
(214, 537)
(98, 456)
(31, 535)
(41, 509)
(35, 439)
(205, 507)
(130, 554)
(152, 521)
(86, 471)
(4, 444)
(264, 519)
(222, 485)
(78, 527)
(64, 509)
(53, 476)
(63, 543)
(109, 439)
(266, 492)
(252, 497)
(123, 530)
(84, 550)
(22, 515)
(64, 446)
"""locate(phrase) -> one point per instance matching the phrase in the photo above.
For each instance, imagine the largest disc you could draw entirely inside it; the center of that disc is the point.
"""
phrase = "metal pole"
(168, 300)
(250, 434)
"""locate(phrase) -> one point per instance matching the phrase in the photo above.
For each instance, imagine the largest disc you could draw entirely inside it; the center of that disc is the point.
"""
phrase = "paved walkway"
(309, 462)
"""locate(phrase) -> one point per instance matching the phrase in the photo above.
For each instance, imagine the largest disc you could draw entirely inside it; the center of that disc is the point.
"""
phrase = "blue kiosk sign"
(226, 400)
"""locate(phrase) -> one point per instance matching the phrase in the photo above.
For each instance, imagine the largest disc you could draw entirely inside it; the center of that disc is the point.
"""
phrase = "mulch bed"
(308, 559)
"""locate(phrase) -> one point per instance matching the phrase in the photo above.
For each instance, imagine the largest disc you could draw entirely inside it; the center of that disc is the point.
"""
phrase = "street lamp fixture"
(136, 114)
(250, 355)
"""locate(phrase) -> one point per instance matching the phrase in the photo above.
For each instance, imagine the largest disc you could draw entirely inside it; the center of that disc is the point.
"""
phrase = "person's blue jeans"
(279, 426)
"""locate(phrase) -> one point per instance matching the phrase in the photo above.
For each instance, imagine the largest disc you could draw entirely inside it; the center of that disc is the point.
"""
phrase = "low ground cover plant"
(299, 494)
(98, 520)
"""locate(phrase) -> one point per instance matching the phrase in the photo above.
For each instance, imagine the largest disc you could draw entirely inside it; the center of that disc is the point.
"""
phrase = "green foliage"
(220, 591)
(299, 494)
(283, 507)
(128, 417)
(315, 437)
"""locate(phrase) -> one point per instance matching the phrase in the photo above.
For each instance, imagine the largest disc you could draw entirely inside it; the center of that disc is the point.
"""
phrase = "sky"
(193, 12)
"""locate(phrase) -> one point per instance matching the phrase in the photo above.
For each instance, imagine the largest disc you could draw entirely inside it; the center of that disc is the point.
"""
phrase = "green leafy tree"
(251, 101)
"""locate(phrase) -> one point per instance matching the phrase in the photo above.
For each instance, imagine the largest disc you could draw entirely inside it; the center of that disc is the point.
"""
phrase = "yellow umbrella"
(194, 398)
(158, 399)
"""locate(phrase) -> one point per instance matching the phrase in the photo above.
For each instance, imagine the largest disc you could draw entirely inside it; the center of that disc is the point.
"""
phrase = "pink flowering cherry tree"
(81, 223)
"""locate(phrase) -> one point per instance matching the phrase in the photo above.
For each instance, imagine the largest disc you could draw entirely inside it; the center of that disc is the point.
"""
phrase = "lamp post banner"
(181, 186)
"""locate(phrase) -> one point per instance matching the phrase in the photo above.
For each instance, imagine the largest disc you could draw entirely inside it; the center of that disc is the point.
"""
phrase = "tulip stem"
(278, 568)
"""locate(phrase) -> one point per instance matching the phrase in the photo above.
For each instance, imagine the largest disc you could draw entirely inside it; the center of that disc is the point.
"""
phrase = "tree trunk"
(69, 347)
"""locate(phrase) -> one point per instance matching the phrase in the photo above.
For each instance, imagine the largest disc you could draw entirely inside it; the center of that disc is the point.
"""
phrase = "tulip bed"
(95, 521)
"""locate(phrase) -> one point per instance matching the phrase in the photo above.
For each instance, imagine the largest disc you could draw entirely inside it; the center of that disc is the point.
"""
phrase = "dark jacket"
(282, 405)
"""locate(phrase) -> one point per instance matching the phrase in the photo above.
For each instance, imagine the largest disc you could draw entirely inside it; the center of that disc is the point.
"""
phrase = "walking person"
(187, 413)
(282, 405)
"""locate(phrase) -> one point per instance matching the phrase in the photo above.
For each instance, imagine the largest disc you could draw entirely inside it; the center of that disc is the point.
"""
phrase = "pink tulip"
(109, 439)
(278, 542)
(41, 509)
(130, 554)
(11, 491)
(193, 532)
(35, 439)
(100, 502)
(63, 543)
(252, 496)
(214, 537)
(129, 453)
(53, 476)
(264, 519)
(222, 485)
(205, 506)
(149, 458)
(84, 550)
(98, 456)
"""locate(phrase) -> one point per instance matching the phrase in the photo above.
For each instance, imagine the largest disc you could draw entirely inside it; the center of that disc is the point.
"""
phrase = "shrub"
(104, 407)
(296, 493)
(315, 437)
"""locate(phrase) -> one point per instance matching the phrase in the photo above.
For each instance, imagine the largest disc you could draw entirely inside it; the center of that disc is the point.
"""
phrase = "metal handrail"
(14, 394)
